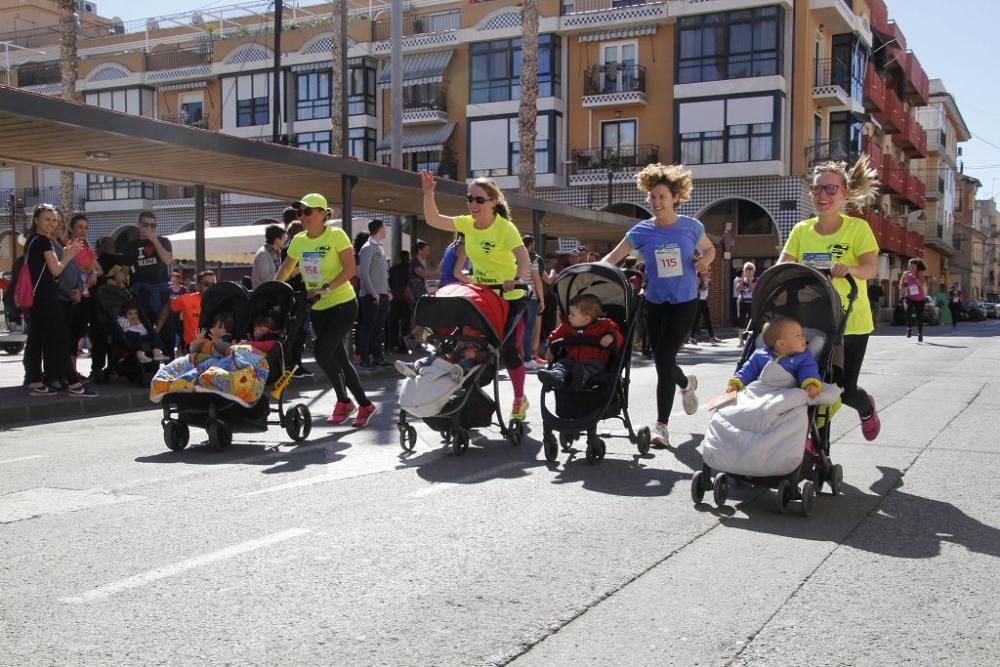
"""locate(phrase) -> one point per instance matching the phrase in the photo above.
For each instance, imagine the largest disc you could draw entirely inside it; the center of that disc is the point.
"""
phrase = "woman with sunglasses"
(325, 259)
(493, 245)
(843, 244)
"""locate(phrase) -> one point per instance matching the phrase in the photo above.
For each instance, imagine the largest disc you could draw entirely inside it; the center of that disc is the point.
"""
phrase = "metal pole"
(611, 176)
(536, 231)
(346, 207)
(199, 229)
(276, 93)
(345, 81)
(13, 231)
(396, 95)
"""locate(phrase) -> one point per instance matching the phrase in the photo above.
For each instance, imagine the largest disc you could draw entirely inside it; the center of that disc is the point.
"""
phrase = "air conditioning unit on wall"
(86, 7)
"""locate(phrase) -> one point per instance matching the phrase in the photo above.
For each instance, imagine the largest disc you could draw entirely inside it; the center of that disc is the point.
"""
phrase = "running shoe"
(519, 411)
(341, 411)
(714, 341)
(41, 390)
(872, 425)
(660, 439)
(159, 356)
(689, 399)
(365, 413)
(82, 391)
(142, 357)
(302, 372)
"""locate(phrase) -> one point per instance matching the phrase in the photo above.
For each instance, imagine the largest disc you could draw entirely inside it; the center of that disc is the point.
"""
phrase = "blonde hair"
(493, 190)
(861, 180)
(676, 177)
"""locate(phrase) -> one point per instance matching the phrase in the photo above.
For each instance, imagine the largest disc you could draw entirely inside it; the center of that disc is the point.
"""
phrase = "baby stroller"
(111, 303)
(606, 395)
(221, 417)
(806, 294)
(482, 312)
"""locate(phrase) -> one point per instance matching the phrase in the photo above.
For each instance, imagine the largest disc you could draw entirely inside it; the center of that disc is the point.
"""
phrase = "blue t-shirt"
(669, 256)
(448, 266)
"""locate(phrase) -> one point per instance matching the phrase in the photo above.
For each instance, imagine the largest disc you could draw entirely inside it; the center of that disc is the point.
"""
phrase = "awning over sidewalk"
(417, 139)
(230, 244)
(419, 68)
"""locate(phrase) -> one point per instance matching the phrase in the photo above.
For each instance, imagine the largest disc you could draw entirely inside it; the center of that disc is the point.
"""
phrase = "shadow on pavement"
(318, 451)
(619, 477)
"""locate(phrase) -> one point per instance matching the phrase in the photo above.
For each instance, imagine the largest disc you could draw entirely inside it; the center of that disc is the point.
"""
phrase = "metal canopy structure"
(47, 131)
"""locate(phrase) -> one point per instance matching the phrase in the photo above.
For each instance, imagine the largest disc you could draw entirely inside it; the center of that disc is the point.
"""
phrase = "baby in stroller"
(216, 340)
(785, 345)
(581, 362)
(145, 345)
(464, 355)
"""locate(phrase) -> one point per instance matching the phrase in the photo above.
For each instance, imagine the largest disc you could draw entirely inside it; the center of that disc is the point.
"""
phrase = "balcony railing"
(893, 116)
(570, 7)
(892, 175)
(916, 192)
(615, 78)
(911, 137)
(874, 95)
(916, 83)
(32, 197)
(182, 118)
(879, 16)
(914, 244)
(874, 151)
(830, 151)
(179, 58)
(621, 158)
(37, 74)
(425, 97)
(420, 24)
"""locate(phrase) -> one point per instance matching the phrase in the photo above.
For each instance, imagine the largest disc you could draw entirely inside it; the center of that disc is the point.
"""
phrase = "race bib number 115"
(668, 262)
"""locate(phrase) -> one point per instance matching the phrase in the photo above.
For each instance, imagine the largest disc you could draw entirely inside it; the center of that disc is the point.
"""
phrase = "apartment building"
(969, 238)
(989, 219)
(749, 93)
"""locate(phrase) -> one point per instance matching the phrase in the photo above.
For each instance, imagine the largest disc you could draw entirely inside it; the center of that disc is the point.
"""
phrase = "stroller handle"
(852, 295)
(498, 287)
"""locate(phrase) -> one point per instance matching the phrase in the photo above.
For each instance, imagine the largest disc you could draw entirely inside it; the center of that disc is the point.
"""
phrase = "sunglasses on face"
(829, 188)
(479, 199)
(305, 210)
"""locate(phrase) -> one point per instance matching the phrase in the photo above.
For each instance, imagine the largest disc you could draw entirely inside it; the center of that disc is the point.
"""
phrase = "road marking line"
(107, 590)
(475, 477)
(24, 458)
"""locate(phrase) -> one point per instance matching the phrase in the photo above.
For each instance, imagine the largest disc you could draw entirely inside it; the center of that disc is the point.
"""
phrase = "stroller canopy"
(798, 291)
(459, 304)
(608, 283)
(226, 297)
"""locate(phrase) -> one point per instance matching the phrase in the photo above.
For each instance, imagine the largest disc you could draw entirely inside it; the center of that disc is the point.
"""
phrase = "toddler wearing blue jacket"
(784, 344)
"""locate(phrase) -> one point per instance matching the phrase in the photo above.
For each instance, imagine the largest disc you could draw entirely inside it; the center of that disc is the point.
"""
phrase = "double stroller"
(460, 317)
(606, 394)
(796, 466)
(222, 417)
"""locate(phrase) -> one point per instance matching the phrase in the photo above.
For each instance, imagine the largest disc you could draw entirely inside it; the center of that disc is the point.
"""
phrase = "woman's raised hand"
(427, 181)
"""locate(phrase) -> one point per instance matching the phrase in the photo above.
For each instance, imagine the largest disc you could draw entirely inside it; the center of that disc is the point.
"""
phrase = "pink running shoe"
(365, 413)
(341, 411)
(871, 427)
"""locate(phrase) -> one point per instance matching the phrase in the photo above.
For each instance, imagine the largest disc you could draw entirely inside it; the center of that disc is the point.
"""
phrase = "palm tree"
(337, 89)
(528, 111)
(69, 65)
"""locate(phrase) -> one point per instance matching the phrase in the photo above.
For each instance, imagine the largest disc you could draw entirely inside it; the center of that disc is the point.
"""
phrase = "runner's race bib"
(309, 265)
(914, 289)
(821, 261)
(668, 262)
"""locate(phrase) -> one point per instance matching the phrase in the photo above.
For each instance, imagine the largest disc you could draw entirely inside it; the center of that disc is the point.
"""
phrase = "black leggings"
(702, 314)
(48, 339)
(332, 326)
(854, 355)
(668, 326)
(511, 351)
(915, 309)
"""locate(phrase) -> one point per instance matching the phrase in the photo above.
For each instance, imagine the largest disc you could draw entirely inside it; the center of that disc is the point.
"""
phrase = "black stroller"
(221, 417)
(481, 313)
(111, 303)
(806, 294)
(606, 396)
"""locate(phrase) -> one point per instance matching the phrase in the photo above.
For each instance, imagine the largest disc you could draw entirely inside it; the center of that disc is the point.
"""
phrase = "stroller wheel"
(175, 434)
(219, 436)
(298, 423)
(643, 438)
(807, 493)
(515, 431)
(595, 451)
(836, 480)
(408, 438)
(551, 446)
(720, 489)
(565, 441)
(784, 495)
(698, 487)
(460, 442)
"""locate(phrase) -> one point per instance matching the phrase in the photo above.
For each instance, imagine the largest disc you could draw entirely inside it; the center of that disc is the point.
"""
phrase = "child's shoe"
(550, 378)
(689, 399)
(341, 411)
(158, 355)
(142, 357)
(661, 439)
(871, 426)
(365, 413)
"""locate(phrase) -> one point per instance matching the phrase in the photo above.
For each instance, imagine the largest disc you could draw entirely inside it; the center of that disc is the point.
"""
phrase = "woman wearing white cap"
(325, 258)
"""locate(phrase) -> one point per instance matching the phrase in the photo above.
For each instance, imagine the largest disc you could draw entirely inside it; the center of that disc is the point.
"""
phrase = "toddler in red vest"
(580, 362)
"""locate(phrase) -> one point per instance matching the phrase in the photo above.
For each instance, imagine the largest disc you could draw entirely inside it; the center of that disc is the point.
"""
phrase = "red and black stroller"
(453, 402)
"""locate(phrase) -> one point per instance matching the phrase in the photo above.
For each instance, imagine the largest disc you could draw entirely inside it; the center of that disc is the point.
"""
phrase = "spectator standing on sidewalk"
(703, 313)
(743, 286)
(188, 307)
(419, 274)
(374, 297)
(875, 299)
(79, 279)
(399, 309)
(150, 257)
(535, 305)
(911, 285)
(955, 303)
(268, 258)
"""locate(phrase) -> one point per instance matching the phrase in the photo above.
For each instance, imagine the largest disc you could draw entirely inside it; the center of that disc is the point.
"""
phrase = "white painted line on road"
(107, 590)
(24, 458)
(468, 479)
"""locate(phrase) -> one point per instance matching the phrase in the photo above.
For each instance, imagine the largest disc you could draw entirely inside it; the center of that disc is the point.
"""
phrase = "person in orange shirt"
(189, 306)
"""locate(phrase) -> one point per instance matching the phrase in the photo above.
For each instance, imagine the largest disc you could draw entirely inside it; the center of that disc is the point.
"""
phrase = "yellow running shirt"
(853, 239)
(491, 251)
(319, 263)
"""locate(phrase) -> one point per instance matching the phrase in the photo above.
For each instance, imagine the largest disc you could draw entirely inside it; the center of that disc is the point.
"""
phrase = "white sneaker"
(689, 399)
(158, 355)
(660, 436)
(142, 357)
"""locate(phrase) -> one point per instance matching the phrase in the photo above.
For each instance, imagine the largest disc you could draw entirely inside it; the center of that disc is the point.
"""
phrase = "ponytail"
(861, 180)
(501, 207)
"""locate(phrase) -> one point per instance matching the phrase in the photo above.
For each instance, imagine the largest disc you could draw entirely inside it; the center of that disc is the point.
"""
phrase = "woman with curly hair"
(675, 249)
(843, 244)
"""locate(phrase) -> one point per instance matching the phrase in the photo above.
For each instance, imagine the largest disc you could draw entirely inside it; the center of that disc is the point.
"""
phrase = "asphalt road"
(341, 551)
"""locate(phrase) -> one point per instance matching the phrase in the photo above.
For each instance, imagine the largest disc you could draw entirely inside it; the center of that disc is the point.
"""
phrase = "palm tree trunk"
(70, 71)
(337, 88)
(528, 112)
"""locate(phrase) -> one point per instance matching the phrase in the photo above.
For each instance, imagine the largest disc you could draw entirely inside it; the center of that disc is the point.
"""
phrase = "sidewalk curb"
(64, 407)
